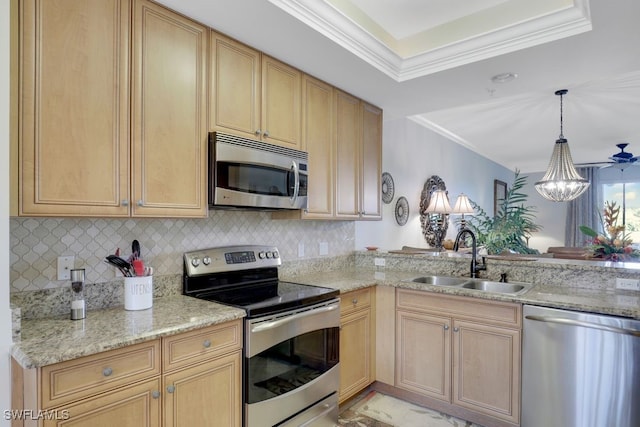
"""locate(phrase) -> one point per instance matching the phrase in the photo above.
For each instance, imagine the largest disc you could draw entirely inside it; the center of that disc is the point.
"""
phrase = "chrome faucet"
(474, 264)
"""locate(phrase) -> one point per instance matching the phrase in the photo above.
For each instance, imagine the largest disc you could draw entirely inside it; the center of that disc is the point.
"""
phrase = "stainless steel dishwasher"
(579, 369)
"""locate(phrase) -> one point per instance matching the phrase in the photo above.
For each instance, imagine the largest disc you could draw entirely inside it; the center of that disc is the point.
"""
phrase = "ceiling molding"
(332, 23)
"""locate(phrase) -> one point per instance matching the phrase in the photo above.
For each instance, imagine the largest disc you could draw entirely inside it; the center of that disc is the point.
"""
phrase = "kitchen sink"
(515, 288)
(441, 280)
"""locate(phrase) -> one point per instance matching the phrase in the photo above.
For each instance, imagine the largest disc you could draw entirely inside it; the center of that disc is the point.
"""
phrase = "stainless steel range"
(291, 334)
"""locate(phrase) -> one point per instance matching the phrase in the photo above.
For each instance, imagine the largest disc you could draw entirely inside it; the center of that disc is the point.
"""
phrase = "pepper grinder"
(77, 294)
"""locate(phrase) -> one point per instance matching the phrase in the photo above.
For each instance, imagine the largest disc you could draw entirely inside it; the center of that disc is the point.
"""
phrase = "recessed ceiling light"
(503, 78)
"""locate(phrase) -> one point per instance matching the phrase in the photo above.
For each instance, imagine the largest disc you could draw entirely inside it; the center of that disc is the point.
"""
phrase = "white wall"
(550, 215)
(5, 313)
(411, 154)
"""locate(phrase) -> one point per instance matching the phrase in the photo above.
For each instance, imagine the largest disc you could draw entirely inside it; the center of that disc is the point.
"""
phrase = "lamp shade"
(462, 206)
(439, 203)
(562, 182)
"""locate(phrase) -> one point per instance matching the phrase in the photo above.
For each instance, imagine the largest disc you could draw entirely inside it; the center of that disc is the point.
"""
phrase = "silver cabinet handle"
(140, 203)
(455, 329)
(125, 203)
(446, 327)
(206, 343)
(155, 394)
(258, 131)
(266, 133)
(571, 322)
(107, 372)
(171, 388)
(355, 301)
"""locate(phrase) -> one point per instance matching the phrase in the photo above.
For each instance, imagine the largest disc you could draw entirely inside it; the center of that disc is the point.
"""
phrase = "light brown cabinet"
(197, 379)
(357, 341)
(461, 352)
(253, 95)
(83, 151)
(358, 158)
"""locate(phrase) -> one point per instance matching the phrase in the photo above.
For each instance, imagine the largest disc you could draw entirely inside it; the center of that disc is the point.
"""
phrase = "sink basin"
(497, 287)
(440, 280)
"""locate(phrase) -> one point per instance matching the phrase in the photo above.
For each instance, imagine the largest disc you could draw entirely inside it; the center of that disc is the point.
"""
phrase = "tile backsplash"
(36, 243)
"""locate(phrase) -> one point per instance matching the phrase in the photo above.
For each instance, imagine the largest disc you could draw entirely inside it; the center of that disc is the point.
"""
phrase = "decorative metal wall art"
(402, 210)
(388, 188)
(434, 226)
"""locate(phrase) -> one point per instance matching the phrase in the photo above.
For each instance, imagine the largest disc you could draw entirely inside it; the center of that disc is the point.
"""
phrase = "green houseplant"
(507, 231)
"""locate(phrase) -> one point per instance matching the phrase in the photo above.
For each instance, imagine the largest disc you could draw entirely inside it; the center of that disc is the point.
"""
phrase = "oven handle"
(296, 185)
(279, 322)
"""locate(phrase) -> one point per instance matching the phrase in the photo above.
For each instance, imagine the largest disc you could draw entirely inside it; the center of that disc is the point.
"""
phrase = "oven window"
(291, 364)
(257, 179)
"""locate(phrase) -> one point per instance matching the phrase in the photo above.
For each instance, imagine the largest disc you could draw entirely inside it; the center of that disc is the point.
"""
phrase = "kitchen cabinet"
(462, 354)
(357, 341)
(181, 380)
(253, 95)
(358, 158)
(112, 111)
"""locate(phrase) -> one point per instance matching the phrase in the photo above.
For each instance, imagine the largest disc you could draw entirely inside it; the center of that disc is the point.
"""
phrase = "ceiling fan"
(619, 160)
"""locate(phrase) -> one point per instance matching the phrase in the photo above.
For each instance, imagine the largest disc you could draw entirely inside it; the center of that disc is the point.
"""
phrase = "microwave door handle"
(296, 185)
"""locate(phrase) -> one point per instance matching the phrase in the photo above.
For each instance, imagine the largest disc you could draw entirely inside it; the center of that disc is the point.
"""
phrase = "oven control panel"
(230, 258)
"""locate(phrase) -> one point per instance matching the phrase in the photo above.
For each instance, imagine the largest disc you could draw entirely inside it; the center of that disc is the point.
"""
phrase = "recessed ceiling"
(387, 52)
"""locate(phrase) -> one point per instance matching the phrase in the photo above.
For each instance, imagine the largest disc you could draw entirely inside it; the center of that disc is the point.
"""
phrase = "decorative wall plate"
(402, 210)
(388, 188)
(429, 222)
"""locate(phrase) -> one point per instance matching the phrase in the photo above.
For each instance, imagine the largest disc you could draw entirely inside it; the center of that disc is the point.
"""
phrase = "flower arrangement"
(613, 245)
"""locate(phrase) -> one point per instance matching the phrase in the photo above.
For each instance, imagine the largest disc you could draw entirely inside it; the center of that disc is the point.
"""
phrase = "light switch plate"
(379, 262)
(323, 248)
(65, 265)
(628, 284)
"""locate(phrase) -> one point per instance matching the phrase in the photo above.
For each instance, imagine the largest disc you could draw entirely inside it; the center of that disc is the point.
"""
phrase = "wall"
(36, 243)
(411, 154)
(5, 313)
(550, 215)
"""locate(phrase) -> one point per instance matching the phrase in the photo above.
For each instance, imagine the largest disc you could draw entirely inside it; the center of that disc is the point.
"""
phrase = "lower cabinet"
(357, 342)
(462, 354)
(188, 379)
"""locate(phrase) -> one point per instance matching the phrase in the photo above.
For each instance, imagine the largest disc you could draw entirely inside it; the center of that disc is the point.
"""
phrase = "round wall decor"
(388, 188)
(402, 210)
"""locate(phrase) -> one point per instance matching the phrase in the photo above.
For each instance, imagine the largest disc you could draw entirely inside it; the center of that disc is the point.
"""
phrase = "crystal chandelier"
(562, 182)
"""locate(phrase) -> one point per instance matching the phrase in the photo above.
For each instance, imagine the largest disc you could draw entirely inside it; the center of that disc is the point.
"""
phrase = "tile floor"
(373, 409)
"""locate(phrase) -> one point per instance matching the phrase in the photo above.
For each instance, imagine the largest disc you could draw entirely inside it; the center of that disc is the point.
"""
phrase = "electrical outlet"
(323, 248)
(627, 300)
(65, 265)
(378, 262)
(300, 250)
(628, 284)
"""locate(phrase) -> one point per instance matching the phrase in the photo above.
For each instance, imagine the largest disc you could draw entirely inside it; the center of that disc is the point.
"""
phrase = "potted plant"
(613, 244)
(509, 229)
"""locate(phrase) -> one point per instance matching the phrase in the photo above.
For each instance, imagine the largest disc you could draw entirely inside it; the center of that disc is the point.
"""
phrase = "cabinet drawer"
(79, 378)
(495, 312)
(355, 300)
(195, 346)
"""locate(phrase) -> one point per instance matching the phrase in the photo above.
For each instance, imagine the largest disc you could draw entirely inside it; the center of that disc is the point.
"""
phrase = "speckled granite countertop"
(618, 303)
(52, 340)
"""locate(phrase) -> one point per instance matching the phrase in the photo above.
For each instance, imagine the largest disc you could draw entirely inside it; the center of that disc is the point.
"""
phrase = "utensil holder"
(138, 293)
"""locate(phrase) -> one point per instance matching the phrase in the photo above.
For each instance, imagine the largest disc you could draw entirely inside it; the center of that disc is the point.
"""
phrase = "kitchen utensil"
(135, 249)
(138, 267)
(121, 264)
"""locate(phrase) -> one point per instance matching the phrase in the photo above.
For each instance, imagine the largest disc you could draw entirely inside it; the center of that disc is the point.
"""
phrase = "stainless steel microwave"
(244, 173)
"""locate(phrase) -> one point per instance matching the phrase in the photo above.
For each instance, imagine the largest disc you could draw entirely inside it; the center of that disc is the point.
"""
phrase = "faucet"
(474, 264)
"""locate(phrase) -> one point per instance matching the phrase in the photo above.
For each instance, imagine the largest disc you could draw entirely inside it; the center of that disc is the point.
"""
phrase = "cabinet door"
(169, 152)
(371, 162)
(355, 353)
(486, 371)
(317, 140)
(423, 354)
(204, 395)
(74, 107)
(235, 87)
(132, 406)
(281, 102)
(348, 136)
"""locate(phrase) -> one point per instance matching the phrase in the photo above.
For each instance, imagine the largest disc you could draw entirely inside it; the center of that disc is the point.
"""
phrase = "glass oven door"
(292, 362)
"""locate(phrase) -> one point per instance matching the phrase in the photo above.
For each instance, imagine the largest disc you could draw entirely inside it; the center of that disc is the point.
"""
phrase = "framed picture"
(499, 194)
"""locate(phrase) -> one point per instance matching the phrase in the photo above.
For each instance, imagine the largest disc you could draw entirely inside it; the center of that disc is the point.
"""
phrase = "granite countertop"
(51, 340)
(611, 302)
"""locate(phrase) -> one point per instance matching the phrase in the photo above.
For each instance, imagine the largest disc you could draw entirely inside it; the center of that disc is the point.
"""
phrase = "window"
(627, 197)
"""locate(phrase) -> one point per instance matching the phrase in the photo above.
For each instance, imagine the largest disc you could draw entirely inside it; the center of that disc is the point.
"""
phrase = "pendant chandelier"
(562, 182)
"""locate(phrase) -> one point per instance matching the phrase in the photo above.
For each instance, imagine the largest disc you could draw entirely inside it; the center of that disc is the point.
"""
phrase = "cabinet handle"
(446, 327)
(171, 388)
(206, 343)
(140, 203)
(258, 131)
(107, 371)
(455, 329)
(155, 394)
(266, 133)
(355, 301)
(125, 203)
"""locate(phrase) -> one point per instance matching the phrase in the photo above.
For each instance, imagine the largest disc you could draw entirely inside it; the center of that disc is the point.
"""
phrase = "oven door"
(291, 363)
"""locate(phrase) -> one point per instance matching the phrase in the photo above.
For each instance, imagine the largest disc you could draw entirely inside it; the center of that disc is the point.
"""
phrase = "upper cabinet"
(254, 95)
(74, 107)
(78, 77)
(169, 132)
